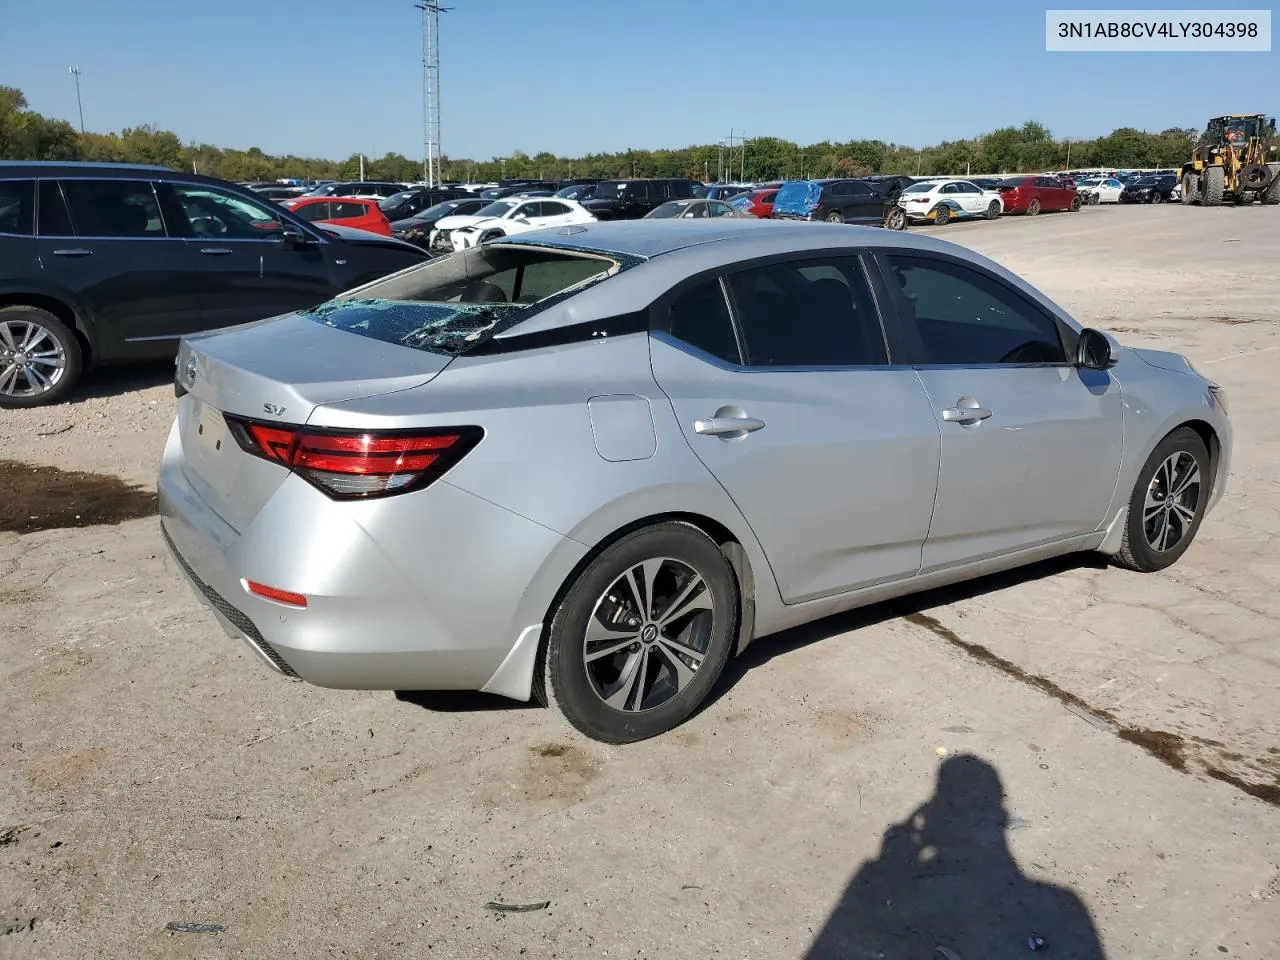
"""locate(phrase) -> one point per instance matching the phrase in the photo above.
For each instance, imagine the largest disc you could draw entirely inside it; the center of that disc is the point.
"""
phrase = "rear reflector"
(350, 464)
(272, 593)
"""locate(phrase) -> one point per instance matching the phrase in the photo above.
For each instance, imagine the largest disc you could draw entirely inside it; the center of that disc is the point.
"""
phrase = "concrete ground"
(1072, 751)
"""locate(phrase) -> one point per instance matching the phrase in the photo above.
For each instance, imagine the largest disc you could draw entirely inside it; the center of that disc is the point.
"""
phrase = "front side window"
(216, 214)
(114, 208)
(808, 313)
(699, 316)
(964, 317)
(311, 212)
(17, 206)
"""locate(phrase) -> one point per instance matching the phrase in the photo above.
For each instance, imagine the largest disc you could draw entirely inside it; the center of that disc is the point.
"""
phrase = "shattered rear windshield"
(454, 303)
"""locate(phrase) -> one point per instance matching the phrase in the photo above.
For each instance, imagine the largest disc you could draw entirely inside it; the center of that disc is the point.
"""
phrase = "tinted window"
(808, 313)
(681, 189)
(717, 208)
(551, 209)
(54, 219)
(17, 203)
(217, 214)
(345, 210)
(113, 208)
(858, 188)
(963, 316)
(699, 316)
(312, 212)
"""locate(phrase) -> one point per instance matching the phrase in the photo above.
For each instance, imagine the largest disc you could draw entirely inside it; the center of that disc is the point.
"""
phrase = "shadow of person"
(945, 877)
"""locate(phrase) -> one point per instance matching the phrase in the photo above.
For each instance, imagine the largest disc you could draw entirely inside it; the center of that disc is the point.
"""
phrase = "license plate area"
(210, 448)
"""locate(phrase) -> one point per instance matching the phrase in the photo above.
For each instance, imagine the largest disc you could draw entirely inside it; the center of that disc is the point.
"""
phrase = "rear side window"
(965, 317)
(17, 206)
(699, 316)
(682, 189)
(113, 208)
(808, 313)
(346, 210)
(54, 219)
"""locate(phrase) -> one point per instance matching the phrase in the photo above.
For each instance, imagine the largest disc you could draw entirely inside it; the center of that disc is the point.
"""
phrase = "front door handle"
(966, 411)
(215, 251)
(727, 426)
(73, 252)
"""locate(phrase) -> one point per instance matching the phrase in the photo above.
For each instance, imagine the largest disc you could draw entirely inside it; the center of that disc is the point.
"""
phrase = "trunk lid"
(276, 370)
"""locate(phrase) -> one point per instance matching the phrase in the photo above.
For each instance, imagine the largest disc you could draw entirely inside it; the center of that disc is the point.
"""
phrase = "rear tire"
(641, 682)
(942, 216)
(51, 362)
(1214, 182)
(1272, 196)
(993, 210)
(835, 216)
(1156, 197)
(1167, 504)
(1094, 199)
(1033, 207)
(896, 219)
(1076, 203)
(1190, 188)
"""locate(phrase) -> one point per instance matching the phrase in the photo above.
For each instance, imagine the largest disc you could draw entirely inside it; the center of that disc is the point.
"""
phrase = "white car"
(1096, 190)
(939, 201)
(502, 218)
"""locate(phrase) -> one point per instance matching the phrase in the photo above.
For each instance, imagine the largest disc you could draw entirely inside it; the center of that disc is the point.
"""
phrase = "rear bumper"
(426, 591)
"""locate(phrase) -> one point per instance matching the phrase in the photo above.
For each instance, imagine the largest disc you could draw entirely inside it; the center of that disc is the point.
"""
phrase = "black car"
(1149, 190)
(356, 188)
(411, 202)
(836, 201)
(417, 229)
(632, 199)
(109, 263)
(577, 191)
(890, 186)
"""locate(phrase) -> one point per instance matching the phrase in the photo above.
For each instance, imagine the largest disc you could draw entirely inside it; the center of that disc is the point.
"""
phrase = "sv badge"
(274, 409)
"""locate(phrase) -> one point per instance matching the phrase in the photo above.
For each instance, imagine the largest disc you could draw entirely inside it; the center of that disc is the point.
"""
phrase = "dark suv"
(837, 201)
(107, 263)
(632, 199)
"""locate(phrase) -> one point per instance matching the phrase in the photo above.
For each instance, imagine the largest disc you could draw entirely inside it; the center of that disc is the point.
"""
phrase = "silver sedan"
(590, 464)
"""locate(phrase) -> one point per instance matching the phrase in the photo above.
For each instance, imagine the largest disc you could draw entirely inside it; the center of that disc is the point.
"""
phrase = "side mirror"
(1097, 350)
(293, 237)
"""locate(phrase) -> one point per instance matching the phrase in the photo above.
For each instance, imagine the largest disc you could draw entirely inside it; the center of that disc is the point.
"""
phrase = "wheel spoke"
(1151, 506)
(684, 674)
(694, 596)
(8, 378)
(609, 649)
(1189, 479)
(630, 682)
(6, 336)
(46, 361)
(1185, 513)
(34, 335)
(1164, 531)
(640, 579)
(38, 380)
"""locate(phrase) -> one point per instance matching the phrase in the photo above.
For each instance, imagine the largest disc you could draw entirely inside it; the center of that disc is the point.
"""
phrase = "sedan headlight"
(1219, 397)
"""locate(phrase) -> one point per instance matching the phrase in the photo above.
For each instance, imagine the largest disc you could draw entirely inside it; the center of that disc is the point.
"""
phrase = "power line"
(431, 10)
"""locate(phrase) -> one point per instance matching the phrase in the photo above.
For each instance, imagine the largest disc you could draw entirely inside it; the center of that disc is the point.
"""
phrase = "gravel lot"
(1111, 779)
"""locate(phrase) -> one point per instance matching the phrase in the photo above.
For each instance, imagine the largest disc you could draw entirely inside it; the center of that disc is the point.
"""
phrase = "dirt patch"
(559, 771)
(46, 498)
(66, 771)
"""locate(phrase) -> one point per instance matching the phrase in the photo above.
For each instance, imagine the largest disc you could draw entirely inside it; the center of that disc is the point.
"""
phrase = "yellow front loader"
(1236, 161)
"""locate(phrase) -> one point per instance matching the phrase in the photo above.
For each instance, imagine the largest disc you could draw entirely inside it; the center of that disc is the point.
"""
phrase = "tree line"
(28, 135)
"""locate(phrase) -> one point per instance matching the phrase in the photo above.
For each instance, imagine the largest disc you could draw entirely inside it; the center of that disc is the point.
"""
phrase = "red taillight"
(348, 464)
(275, 593)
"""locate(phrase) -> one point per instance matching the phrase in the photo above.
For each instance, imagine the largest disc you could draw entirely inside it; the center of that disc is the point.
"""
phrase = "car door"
(780, 379)
(865, 205)
(971, 198)
(1031, 443)
(247, 269)
(107, 241)
(1052, 195)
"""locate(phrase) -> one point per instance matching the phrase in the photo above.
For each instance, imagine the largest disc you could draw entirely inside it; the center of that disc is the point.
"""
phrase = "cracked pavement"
(153, 772)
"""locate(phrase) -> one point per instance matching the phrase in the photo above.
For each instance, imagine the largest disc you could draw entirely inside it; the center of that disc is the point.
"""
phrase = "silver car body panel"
(855, 490)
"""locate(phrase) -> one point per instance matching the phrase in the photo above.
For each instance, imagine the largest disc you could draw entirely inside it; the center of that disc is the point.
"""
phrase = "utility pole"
(431, 10)
(362, 166)
(75, 72)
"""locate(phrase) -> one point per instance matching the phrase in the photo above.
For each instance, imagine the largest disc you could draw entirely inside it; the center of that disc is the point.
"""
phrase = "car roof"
(709, 245)
(76, 166)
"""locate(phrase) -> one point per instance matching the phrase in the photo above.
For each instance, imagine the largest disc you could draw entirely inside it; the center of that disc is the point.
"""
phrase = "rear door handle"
(722, 426)
(73, 252)
(965, 414)
(215, 251)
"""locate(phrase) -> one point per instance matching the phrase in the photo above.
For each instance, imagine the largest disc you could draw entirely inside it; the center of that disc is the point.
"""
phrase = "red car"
(759, 202)
(344, 211)
(1032, 195)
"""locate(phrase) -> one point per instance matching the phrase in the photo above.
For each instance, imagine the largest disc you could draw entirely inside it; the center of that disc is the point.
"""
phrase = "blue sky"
(329, 78)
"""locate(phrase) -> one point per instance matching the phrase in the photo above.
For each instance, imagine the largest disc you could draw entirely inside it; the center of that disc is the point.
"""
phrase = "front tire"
(1157, 197)
(942, 216)
(1076, 203)
(1167, 504)
(1272, 196)
(40, 357)
(835, 216)
(1190, 188)
(642, 635)
(1033, 207)
(896, 219)
(1214, 185)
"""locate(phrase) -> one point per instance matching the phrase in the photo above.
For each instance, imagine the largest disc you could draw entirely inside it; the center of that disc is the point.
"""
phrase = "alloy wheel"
(32, 359)
(1173, 497)
(648, 634)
